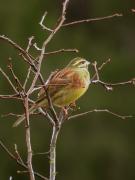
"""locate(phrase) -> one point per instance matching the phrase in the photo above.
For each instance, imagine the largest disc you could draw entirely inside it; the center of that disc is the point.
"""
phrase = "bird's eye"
(82, 62)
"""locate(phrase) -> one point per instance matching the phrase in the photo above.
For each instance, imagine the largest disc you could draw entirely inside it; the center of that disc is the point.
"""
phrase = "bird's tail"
(22, 118)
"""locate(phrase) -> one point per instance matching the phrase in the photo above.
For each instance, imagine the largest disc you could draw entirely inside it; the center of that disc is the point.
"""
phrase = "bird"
(65, 87)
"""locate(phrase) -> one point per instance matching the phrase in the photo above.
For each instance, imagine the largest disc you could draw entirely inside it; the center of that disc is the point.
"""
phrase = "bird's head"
(78, 62)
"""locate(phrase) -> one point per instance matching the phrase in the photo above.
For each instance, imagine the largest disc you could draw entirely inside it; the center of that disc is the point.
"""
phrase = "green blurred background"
(98, 146)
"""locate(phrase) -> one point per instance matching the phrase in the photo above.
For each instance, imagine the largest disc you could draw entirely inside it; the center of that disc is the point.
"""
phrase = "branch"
(29, 69)
(28, 140)
(100, 110)
(55, 133)
(26, 55)
(12, 96)
(8, 79)
(56, 51)
(17, 160)
(58, 26)
(108, 86)
(41, 23)
(18, 83)
(92, 19)
(61, 50)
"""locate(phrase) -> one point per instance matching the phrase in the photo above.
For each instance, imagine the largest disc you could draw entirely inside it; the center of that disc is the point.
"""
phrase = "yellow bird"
(65, 87)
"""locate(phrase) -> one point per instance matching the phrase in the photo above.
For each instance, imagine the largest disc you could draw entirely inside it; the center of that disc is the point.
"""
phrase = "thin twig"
(36, 47)
(29, 69)
(30, 39)
(27, 77)
(41, 153)
(46, 115)
(100, 110)
(41, 22)
(104, 63)
(92, 19)
(12, 96)
(11, 114)
(27, 56)
(18, 83)
(56, 51)
(61, 50)
(96, 70)
(18, 162)
(17, 154)
(62, 19)
(11, 84)
(108, 86)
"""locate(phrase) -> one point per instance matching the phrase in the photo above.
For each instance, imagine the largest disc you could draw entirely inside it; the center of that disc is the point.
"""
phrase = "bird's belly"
(68, 96)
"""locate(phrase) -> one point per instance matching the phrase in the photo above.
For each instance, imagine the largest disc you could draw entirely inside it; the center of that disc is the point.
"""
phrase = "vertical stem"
(28, 141)
(56, 130)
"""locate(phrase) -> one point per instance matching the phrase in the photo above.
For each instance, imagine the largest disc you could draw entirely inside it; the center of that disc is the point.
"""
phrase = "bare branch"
(10, 114)
(27, 56)
(36, 47)
(17, 160)
(55, 133)
(108, 86)
(11, 84)
(93, 19)
(41, 23)
(18, 157)
(28, 140)
(12, 96)
(61, 50)
(56, 51)
(30, 39)
(104, 63)
(100, 110)
(27, 77)
(96, 71)
(18, 83)
(29, 69)
(58, 26)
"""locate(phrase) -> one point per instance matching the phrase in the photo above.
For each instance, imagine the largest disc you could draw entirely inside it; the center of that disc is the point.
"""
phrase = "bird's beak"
(88, 63)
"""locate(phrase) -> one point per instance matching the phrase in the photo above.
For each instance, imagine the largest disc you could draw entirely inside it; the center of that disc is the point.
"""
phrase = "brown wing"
(58, 81)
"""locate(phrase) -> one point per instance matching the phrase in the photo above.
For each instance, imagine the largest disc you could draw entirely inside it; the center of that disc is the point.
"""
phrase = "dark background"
(98, 146)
